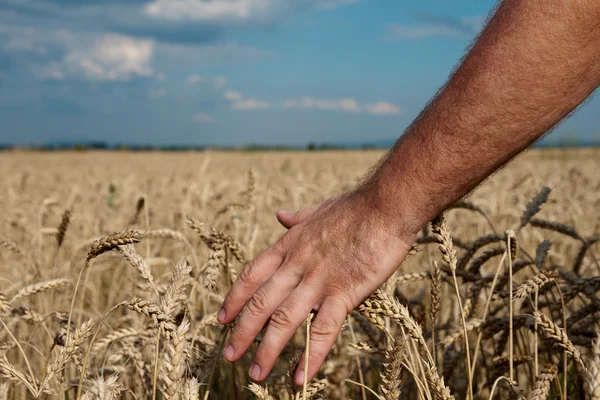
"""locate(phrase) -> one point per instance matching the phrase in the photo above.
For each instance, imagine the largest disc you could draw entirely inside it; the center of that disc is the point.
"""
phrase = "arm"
(533, 64)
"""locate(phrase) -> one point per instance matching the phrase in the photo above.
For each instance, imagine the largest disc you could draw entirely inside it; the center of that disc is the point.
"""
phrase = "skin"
(531, 66)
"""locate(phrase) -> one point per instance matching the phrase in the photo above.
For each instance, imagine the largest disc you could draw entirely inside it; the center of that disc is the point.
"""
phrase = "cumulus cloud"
(251, 104)
(207, 10)
(113, 58)
(110, 57)
(435, 26)
(347, 104)
(234, 11)
(383, 108)
(333, 4)
(53, 71)
(220, 82)
(194, 79)
(203, 117)
(233, 96)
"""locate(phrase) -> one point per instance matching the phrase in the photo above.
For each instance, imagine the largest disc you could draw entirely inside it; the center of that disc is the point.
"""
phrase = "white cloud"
(400, 32)
(212, 10)
(465, 27)
(233, 96)
(383, 108)
(156, 93)
(345, 104)
(203, 117)
(194, 79)
(52, 71)
(220, 82)
(111, 57)
(333, 4)
(234, 11)
(251, 104)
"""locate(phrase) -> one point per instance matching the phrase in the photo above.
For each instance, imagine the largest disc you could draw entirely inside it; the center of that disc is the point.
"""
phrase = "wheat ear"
(444, 240)
(558, 335)
(39, 287)
(543, 383)
(592, 374)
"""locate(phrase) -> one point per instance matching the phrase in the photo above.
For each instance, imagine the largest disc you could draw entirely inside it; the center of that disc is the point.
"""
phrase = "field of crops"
(114, 265)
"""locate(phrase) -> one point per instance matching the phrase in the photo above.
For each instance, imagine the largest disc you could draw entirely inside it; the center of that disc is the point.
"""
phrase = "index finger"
(254, 274)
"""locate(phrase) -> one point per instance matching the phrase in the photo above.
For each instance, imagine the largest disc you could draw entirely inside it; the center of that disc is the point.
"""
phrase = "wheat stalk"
(543, 383)
(534, 284)
(260, 392)
(105, 389)
(412, 277)
(61, 231)
(558, 335)
(140, 265)
(173, 364)
(592, 373)
(191, 389)
(444, 239)
(452, 337)
(175, 294)
(112, 242)
(392, 366)
(39, 287)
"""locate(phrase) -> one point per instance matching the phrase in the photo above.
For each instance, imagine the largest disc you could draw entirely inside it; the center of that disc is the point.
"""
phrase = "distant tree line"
(570, 141)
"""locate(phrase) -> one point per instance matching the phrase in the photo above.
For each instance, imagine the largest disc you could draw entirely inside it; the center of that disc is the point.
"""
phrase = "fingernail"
(221, 315)
(300, 377)
(229, 352)
(255, 371)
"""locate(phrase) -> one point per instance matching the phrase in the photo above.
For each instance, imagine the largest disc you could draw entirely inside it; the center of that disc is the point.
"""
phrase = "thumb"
(291, 218)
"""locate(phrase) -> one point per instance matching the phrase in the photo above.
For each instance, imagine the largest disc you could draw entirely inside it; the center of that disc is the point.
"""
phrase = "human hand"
(333, 256)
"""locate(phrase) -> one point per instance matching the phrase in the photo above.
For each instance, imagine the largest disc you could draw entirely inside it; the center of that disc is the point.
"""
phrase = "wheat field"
(113, 266)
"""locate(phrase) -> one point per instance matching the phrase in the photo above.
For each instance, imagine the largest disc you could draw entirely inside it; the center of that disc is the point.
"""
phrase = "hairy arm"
(533, 64)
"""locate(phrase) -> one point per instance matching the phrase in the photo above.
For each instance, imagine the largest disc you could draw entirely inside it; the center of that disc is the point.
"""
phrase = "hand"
(333, 256)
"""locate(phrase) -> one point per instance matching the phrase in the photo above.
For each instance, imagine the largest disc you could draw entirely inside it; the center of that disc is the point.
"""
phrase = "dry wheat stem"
(442, 234)
(511, 249)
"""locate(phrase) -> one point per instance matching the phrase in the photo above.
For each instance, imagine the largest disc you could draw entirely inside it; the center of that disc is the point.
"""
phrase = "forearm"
(533, 64)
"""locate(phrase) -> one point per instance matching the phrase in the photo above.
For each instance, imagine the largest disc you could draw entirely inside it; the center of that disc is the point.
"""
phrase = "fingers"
(254, 274)
(284, 322)
(264, 302)
(289, 218)
(323, 332)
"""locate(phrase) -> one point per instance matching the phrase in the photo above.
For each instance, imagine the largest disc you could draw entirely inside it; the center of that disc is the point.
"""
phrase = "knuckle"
(323, 329)
(296, 254)
(248, 274)
(279, 248)
(281, 318)
(238, 331)
(259, 303)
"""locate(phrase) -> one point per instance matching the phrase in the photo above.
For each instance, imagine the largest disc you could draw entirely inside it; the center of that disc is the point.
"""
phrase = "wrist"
(389, 201)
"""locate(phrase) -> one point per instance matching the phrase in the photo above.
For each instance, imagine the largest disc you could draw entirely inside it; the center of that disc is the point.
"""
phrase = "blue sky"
(230, 72)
